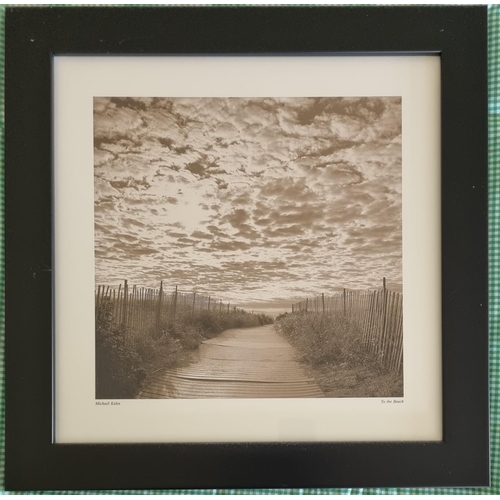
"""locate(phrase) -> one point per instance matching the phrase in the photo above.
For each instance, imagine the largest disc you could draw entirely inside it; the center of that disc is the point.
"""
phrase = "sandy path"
(239, 363)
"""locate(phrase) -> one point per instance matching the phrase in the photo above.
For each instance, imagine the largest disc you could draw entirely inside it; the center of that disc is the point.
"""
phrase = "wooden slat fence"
(142, 311)
(378, 313)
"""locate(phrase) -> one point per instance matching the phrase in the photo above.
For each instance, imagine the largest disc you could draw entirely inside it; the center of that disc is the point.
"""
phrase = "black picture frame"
(35, 35)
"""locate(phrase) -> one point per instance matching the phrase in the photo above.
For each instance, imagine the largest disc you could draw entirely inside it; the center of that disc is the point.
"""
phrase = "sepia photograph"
(248, 247)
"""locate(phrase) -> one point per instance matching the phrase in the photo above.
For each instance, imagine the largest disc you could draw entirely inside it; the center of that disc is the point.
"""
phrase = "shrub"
(121, 366)
(117, 366)
(322, 338)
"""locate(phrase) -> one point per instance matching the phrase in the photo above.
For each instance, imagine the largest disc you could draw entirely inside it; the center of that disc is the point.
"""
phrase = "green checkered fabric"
(494, 248)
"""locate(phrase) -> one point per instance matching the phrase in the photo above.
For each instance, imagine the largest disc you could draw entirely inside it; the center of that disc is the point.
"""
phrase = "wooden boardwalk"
(239, 363)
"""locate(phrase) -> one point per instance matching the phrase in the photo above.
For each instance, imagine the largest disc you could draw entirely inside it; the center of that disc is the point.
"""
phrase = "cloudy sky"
(258, 201)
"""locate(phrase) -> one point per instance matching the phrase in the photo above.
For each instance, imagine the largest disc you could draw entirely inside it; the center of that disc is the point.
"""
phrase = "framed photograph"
(246, 247)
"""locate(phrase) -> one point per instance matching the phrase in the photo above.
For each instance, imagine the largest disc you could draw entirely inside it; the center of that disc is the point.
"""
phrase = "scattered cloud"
(260, 201)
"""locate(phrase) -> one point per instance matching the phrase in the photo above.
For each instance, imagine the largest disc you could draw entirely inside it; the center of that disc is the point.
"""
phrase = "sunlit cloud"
(258, 201)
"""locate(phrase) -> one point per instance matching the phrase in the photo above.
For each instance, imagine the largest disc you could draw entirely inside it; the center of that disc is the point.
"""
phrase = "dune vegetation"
(125, 360)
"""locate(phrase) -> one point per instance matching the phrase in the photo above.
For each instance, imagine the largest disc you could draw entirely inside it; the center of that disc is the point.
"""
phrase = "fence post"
(384, 321)
(175, 302)
(292, 309)
(228, 305)
(158, 311)
(194, 300)
(119, 306)
(323, 300)
(124, 316)
(125, 303)
(209, 302)
(115, 307)
(344, 302)
(133, 321)
(97, 302)
(307, 303)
